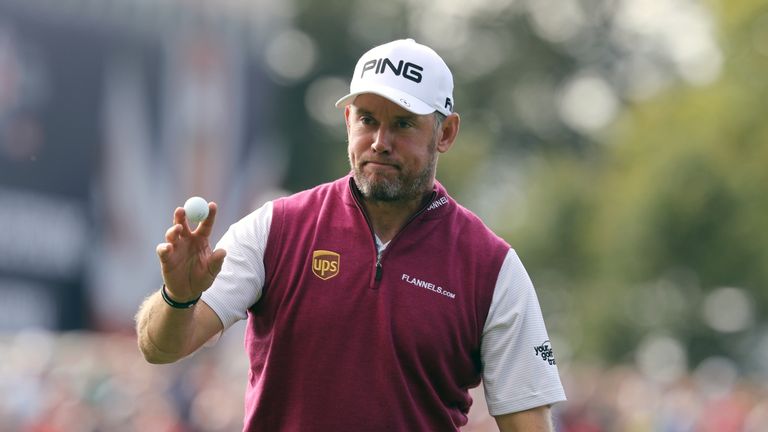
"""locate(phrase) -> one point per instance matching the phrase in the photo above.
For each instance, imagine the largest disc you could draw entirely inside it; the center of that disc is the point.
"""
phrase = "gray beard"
(401, 188)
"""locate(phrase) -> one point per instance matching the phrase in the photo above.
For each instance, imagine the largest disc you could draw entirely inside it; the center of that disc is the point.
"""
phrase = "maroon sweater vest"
(341, 342)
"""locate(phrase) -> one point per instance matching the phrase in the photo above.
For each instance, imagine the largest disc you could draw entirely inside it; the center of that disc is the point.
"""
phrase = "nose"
(381, 141)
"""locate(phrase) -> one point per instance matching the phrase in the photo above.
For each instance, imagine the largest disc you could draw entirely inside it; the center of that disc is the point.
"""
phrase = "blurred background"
(619, 145)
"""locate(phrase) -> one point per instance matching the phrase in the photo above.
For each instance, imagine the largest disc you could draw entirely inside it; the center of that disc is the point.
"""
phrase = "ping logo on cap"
(325, 264)
(409, 74)
(407, 70)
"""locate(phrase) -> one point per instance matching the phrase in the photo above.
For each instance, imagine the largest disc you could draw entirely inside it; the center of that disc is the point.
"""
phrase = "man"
(373, 302)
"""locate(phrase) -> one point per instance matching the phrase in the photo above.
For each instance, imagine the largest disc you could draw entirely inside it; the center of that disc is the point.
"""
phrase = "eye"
(367, 120)
(404, 124)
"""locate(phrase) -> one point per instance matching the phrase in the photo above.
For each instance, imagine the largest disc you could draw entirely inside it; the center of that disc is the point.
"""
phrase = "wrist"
(177, 304)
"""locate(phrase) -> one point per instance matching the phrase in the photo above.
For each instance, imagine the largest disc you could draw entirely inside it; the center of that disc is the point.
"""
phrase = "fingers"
(179, 215)
(164, 251)
(215, 261)
(177, 234)
(206, 226)
(180, 218)
(173, 233)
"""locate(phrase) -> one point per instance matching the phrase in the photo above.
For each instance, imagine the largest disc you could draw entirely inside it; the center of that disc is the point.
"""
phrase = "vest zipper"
(377, 274)
(379, 267)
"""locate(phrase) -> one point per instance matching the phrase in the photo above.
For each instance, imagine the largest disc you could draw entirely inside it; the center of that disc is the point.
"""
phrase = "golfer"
(376, 301)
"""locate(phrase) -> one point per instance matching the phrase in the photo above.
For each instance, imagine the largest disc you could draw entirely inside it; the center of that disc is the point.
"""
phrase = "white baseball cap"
(407, 73)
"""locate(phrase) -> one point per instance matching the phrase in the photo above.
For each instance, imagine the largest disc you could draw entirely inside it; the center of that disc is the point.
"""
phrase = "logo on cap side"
(407, 70)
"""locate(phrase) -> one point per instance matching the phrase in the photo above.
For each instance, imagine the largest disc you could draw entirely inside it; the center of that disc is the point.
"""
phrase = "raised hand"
(188, 264)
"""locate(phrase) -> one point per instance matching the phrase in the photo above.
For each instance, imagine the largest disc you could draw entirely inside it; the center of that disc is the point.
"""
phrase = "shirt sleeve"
(239, 284)
(519, 370)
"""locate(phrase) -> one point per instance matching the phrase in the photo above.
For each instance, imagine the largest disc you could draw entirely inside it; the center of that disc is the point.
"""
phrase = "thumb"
(216, 261)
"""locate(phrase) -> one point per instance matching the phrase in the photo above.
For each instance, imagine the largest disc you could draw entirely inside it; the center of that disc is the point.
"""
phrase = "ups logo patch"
(325, 264)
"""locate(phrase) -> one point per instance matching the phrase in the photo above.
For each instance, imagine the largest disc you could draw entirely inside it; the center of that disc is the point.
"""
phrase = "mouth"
(380, 165)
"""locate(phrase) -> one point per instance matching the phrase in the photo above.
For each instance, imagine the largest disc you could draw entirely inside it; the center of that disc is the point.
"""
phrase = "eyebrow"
(363, 111)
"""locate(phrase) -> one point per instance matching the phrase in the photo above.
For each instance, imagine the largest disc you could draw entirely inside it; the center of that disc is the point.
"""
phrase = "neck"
(389, 217)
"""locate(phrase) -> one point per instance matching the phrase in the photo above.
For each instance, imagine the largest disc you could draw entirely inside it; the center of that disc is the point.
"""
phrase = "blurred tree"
(618, 145)
(678, 189)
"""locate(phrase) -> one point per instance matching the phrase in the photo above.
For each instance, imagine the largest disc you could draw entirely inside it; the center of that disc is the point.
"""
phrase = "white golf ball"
(196, 209)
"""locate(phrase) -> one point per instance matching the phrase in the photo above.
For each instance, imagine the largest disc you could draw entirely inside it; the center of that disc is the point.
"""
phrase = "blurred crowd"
(86, 382)
(622, 399)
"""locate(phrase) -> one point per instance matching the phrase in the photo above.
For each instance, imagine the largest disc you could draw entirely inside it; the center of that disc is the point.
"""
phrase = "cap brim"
(406, 101)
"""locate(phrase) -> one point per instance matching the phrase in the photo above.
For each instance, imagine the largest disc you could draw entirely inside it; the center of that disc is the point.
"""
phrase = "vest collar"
(441, 205)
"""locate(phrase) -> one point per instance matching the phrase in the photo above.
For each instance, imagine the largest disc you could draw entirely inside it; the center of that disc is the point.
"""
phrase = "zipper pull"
(378, 271)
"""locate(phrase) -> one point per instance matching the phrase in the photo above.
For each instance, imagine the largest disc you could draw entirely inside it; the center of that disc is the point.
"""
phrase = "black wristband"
(174, 304)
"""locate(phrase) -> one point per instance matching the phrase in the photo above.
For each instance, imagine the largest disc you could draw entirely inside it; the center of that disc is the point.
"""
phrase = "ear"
(448, 132)
(346, 117)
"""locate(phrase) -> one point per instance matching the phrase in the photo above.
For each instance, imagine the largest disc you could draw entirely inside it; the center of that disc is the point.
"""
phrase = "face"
(392, 152)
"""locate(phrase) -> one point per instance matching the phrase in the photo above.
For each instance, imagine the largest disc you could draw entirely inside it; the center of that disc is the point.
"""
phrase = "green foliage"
(623, 232)
(680, 185)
